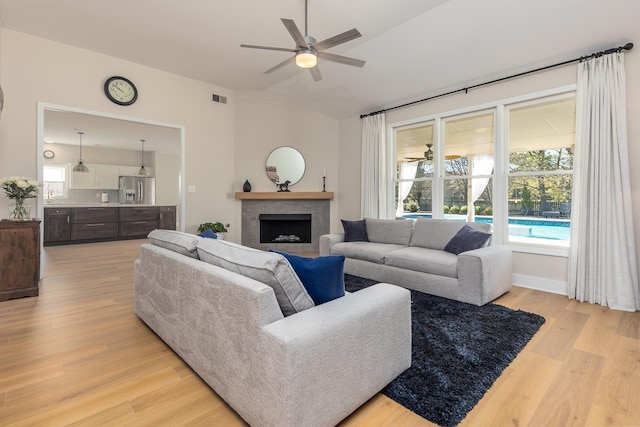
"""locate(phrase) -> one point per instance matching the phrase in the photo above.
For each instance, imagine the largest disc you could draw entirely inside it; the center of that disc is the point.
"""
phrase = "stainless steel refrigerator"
(137, 190)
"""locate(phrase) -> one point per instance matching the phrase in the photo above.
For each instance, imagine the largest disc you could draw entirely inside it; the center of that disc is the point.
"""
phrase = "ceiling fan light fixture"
(306, 59)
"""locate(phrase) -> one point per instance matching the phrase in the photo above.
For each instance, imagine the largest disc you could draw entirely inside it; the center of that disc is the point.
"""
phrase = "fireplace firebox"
(285, 228)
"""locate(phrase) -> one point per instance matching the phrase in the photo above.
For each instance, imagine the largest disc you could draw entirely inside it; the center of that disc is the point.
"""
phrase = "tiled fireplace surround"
(251, 210)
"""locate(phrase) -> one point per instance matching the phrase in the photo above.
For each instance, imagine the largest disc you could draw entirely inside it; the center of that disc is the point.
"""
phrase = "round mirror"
(285, 164)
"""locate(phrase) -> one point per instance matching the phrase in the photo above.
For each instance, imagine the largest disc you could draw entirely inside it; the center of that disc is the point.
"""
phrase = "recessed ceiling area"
(413, 48)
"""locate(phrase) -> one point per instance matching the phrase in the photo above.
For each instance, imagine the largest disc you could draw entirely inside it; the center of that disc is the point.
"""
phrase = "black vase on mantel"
(247, 186)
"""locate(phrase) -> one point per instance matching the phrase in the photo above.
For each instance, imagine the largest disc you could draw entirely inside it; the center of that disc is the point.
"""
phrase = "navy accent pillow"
(355, 231)
(467, 239)
(322, 277)
(208, 233)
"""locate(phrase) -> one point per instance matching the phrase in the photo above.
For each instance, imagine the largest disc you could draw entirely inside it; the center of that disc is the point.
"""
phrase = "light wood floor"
(77, 355)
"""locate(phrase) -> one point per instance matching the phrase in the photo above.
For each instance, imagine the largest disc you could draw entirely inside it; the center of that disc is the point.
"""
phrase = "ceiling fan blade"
(342, 59)
(315, 73)
(280, 65)
(295, 32)
(253, 46)
(337, 39)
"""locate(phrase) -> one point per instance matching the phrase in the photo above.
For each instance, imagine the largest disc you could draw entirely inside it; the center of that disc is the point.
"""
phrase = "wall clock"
(120, 90)
(49, 154)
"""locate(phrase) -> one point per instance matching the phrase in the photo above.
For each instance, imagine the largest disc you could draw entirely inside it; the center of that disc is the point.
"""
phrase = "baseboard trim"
(540, 284)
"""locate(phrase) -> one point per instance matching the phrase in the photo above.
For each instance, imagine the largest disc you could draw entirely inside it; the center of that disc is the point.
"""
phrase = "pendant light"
(80, 167)
(142, 171)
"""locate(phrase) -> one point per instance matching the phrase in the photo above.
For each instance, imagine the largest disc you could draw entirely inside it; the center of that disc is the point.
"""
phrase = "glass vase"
(19, 211)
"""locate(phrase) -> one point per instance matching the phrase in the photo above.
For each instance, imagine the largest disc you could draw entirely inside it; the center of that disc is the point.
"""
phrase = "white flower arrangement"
(20, 187)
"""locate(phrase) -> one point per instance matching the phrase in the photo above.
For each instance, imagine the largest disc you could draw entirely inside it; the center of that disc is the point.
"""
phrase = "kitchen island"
(99, 222)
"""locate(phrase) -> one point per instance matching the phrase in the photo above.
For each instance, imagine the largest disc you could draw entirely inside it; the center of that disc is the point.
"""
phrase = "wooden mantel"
(285, 195)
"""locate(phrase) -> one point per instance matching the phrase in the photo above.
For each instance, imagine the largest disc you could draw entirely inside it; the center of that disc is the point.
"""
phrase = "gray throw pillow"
(270, 268)
(176, 241)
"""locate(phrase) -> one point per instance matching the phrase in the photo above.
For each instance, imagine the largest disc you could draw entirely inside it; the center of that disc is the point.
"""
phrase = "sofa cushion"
(467, 239)
(425, 260)
(176, 241)
(394, 231)
(365, 251)
(355, 231)
(322, 277)
(269, 268)
(436, 233)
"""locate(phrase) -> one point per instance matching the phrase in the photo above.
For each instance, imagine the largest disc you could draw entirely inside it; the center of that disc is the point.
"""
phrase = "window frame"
(501, 174)
(65, 182)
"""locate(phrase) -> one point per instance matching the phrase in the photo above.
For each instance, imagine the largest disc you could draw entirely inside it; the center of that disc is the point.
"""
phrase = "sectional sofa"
(412, 254)
(237, 317)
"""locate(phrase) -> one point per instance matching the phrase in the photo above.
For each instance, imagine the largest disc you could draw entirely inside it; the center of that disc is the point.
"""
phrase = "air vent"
(219, 98)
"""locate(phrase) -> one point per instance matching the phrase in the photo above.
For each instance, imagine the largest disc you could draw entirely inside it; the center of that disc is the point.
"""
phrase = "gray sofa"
(311, 368)
(411, 254)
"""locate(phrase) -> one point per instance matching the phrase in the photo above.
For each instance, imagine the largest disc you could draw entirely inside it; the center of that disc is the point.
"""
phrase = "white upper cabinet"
(99, 177)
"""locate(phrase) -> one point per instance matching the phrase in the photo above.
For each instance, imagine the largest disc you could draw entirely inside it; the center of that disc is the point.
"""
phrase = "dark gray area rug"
(458, 351)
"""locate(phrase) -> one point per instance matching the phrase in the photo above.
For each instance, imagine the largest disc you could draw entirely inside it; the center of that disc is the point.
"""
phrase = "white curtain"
(602, 260)
(407, 171)
(482, 165)
(374, 200)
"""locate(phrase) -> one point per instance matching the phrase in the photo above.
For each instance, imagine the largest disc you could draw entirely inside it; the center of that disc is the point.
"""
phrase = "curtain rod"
(627, 46)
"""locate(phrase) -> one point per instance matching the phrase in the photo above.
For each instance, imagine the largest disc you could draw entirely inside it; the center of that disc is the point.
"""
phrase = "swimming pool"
(558, 230)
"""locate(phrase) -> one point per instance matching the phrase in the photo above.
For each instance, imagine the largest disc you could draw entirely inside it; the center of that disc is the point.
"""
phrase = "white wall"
(264, 122)
(529, 268)
(38, 70)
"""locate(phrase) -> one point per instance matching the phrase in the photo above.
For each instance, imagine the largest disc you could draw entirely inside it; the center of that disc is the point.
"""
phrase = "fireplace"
(285, 228)
(315, 211)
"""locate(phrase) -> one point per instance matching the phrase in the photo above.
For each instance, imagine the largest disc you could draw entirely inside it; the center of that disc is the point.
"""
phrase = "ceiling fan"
(428, 155)
(307, 50)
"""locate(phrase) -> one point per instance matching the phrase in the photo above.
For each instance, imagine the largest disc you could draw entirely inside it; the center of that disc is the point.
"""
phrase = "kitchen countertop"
(94, 205)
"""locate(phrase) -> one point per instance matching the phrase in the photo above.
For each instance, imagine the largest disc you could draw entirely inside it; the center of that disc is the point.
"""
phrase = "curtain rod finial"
(628, 46)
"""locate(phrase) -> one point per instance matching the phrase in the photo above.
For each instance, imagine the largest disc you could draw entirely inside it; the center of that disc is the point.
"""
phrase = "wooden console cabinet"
(19, 259)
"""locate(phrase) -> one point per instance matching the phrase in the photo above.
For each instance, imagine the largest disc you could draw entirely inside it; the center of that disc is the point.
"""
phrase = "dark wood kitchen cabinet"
(95, 223)
(167, 220)
(57, 225)
(137, 222)
(19, 259)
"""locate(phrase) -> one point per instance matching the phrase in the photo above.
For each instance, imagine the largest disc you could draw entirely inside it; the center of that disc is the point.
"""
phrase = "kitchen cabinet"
(133, 170)
(19, 259)
(97, 224)
(137, 222)
(94, 223)
(99, 177)
(167, 219)
(57, 225)
(82, 180)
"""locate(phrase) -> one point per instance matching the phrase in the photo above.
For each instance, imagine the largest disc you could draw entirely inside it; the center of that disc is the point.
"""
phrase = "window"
(55, 182)
(541, 137)
(510, 164)
(468, 166)
(414, 173)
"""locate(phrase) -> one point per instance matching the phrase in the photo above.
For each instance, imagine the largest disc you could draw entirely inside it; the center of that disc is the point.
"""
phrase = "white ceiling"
(413, 48)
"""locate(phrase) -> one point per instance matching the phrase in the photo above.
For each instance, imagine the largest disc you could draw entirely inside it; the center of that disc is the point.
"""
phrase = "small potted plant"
(217, 227)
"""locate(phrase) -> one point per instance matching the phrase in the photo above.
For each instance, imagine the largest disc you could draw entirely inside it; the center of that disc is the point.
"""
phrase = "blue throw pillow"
(208, 233)
(467, 239)
(355, 231)
(322, 277)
